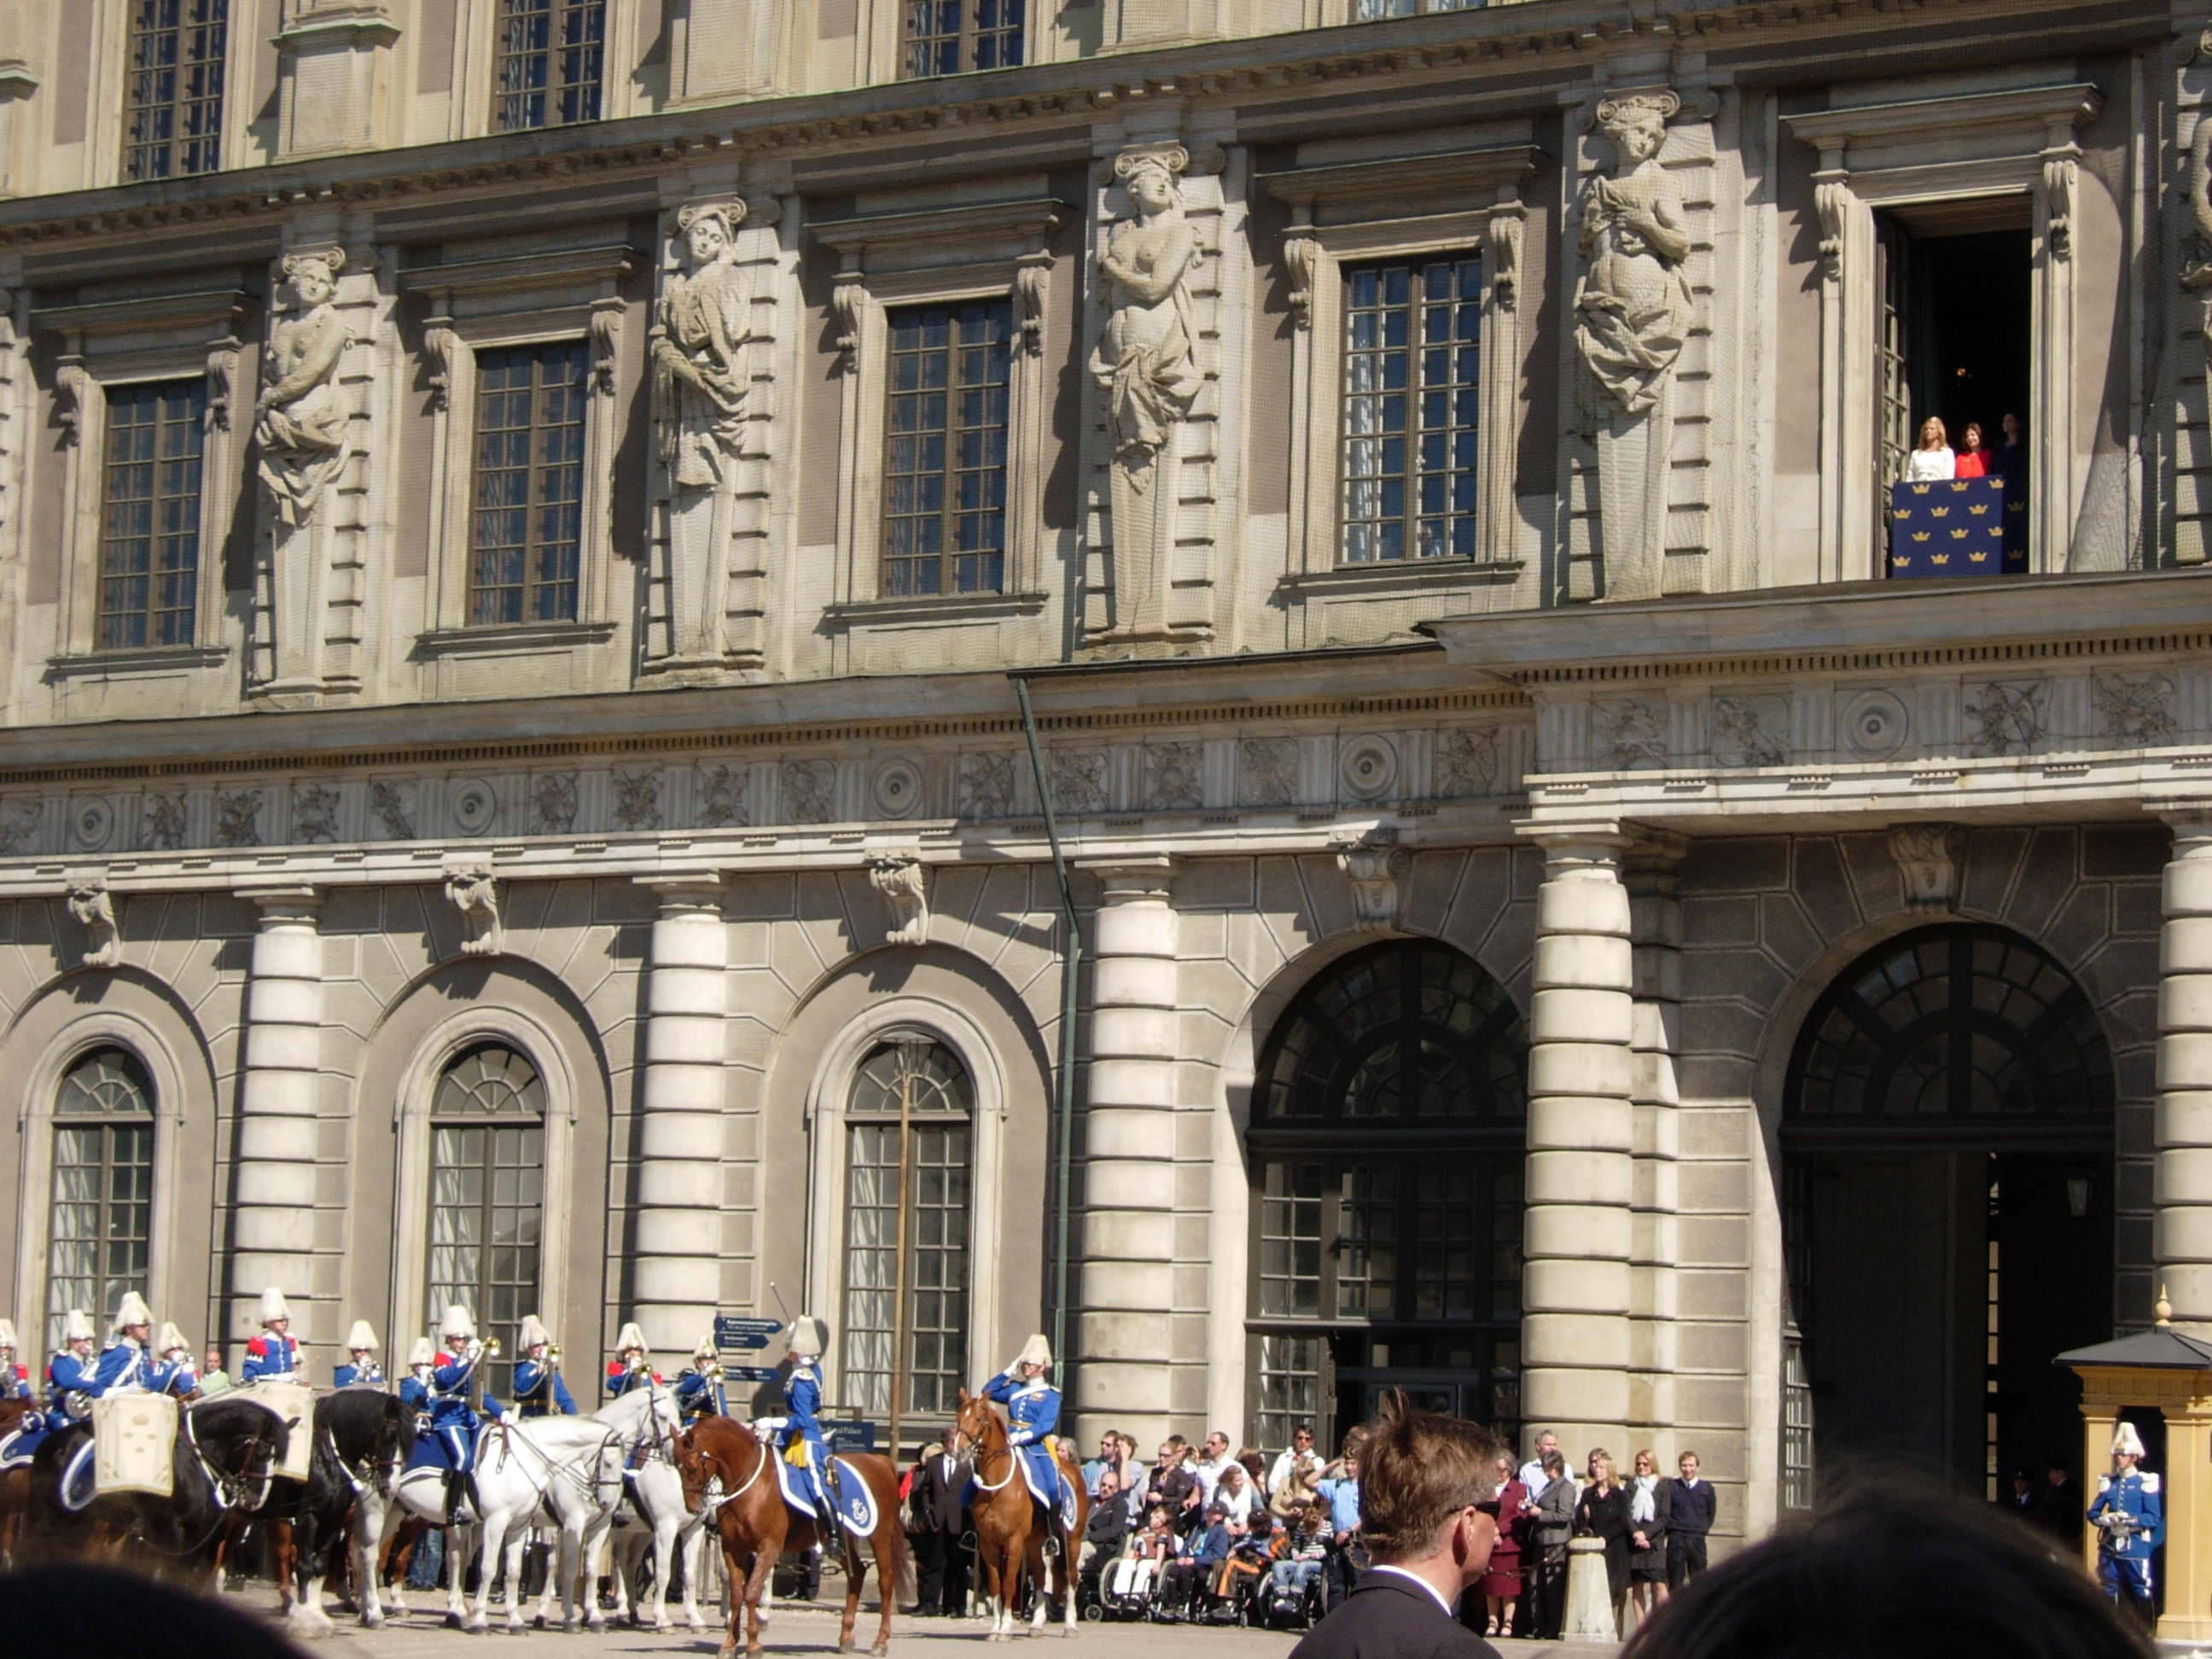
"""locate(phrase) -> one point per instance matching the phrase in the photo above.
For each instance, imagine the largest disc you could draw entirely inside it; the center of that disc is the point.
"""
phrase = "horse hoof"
(373, 1620)
(452, 1621)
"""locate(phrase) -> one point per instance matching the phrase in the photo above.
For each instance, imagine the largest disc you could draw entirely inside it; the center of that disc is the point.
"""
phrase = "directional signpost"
(734, 1330)
(751, 1373)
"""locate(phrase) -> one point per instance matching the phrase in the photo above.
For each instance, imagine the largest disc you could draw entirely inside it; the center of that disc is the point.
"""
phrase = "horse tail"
(900, 1559)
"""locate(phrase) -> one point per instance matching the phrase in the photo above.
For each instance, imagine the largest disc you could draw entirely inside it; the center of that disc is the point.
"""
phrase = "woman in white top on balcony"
(1933, 459)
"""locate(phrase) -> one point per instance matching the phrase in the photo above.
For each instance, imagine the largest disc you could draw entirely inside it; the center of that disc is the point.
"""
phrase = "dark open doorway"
(1949, 1143)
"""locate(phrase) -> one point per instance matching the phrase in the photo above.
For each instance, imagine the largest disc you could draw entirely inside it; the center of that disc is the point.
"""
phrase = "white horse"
(657, 1492)
(560, 1472)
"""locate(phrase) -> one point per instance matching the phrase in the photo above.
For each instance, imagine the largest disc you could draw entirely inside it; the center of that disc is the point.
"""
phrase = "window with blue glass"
(172, 114)
(527, 526)
(949, 37)
(945, 449)
(551, 62)
(1412, 348)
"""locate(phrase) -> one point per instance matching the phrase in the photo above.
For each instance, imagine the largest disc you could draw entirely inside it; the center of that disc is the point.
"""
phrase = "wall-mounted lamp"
(2078, 1190)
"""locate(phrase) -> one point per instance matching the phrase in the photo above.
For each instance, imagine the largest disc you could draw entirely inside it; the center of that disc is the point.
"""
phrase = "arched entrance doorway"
(1386, 1147)
(1947, 1141)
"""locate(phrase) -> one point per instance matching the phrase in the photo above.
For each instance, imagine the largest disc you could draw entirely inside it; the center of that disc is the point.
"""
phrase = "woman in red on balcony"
(1932, 458)
(1973, 461)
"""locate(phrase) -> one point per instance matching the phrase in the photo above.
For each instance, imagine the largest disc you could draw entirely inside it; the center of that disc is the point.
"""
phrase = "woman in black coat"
(1602, 1512)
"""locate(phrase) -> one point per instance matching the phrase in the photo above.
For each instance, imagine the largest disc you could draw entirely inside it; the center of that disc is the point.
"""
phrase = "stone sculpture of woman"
(1148, 364)
(300, 417)
(699, 369)
(1633, 309)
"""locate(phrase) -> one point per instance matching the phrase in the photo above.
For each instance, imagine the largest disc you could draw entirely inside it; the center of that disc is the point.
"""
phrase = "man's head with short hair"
(1217, 1446)
(1546, 1443)
(1421, 1476)
(1688, 1464)
(1302, 1437)
(1108, 1483)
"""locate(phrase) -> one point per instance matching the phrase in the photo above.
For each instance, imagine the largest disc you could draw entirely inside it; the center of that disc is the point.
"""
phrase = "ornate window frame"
(34, 1189)
(828, 1096)
(1874, 156)
(486, 304)
(116, 342)
(882, 41)
(476, 66)
(1398, 208)
(418, 1093)
(994, 251)
(107, 94)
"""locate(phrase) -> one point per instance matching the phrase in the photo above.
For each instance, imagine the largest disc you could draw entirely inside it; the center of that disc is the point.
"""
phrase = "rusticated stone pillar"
(1655, 920)
(1579, 1237)
(676, 1283)
(1129, 1179)
(2181, 1228)
(273, 1227)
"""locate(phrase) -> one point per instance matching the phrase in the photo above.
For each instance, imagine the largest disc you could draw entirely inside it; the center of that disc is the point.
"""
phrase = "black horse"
(361, 1439)
(222, 1470)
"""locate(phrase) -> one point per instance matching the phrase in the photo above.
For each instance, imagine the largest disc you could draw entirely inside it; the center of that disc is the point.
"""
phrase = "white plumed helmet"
(360, 1339)
(1035, 1352)
(272, 1306)
(76, 1326)
(422, 1354)
(457, 1322)
(533, 1331)
(630, 1337)
(171, 1340)
(8, 1334)
(804, 1341)
(2126, 1443)
(132, 1310)
(704, 1348)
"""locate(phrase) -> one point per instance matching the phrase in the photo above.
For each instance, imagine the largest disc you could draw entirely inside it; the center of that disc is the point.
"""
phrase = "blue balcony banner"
(1958, 527)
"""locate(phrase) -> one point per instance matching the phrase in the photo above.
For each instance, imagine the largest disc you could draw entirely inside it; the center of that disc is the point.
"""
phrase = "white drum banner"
(134, 1438)
(293, 1403)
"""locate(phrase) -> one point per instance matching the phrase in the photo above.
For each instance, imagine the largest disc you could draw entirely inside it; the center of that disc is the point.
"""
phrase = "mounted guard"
(699, 1387)
(633, 1361)
(415, 1387)
(273, 1356)
(455, 1385)
(173, 1363)
(70, 1376)
(803, 1446)
(1032, 1418)
(539, 1390)
(361, 1367)
(15, 1375)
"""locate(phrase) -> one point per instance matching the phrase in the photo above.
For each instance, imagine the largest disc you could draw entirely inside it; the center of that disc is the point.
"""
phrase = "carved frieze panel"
(987, 786)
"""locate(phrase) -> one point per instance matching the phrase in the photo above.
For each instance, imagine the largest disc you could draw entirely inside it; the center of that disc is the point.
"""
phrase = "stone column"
(1124, 1341)
(676, 1287)
(2181, 1224)
(273, 1224)
(1579, 1236)
(1655, 908)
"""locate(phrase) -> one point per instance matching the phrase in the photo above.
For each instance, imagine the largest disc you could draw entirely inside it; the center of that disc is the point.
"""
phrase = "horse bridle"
(230, 1490)
(975, 1444)
(711, 1497)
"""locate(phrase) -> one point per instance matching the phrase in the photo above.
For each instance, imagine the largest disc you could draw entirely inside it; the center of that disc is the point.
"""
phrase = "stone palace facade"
(520, 521)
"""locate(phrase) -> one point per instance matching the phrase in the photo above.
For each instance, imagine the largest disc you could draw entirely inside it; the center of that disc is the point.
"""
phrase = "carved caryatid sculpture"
(700, 376)
(1632, 316)
(300, 417)
(1148, 364)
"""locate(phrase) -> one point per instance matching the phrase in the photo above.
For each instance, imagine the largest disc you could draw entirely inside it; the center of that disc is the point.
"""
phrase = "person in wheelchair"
(1128, 1585)
(1294, 1589)
(1238, 1582)
(1192, 1572)
(1105, 1535)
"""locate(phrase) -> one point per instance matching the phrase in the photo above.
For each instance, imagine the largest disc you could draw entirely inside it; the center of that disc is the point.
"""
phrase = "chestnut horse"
(1011, 1528)
(727, 1473)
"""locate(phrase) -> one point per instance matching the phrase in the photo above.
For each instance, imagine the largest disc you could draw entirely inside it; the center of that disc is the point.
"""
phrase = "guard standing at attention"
(273, 1356)
(539, 1390)
(2129, 1516)
(361, 1367)
(699, 1387)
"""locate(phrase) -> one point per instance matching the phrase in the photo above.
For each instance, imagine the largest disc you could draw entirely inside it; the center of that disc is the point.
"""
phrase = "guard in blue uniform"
(1032, 1415)
(125, 1365)
(2129, 1516)
(174, 1371)
(632, 1364)
(70, 1392)
(273, 1356)
(15, 1375)
(453, 1383)
(699, 1387)
(415, 1387)
(539, 1390)
(361, 1367)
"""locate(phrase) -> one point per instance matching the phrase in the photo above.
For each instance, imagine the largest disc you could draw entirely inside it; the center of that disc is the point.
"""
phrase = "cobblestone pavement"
(812, 1631)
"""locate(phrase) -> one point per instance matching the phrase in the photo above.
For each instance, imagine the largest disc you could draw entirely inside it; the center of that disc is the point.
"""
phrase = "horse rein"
(975, 1445)
(230, 1490)
(710, 1499)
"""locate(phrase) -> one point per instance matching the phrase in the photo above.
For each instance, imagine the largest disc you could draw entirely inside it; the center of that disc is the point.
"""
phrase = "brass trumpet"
(552, 1353)
(491, 1348)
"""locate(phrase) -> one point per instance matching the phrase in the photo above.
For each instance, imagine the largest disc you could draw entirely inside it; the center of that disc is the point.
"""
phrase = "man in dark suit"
(937, 1505)
(1686, 1508)
(1427, 1508)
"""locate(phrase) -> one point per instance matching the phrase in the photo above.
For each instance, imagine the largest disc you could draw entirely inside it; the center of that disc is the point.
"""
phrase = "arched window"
(910, 1150)
(487, 1195)
(1386, 1142)
(101, 1222)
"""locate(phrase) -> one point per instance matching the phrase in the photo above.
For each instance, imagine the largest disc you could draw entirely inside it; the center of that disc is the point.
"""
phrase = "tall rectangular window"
(150, 539)
(1411, 358)
(944, 461)
(946, 37)
(526, 534)
(172, 113)
(99, 1228)
(551, 62)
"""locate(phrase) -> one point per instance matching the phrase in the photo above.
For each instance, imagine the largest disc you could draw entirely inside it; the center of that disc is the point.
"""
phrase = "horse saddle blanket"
(134, 1437)
(1047, 1482)
(848, 1494)
(18, 1447)
(292, 1404)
